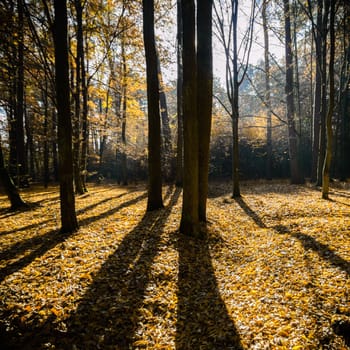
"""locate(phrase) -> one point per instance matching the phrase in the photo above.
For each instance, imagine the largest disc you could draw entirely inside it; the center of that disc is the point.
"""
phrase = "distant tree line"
(82, 96)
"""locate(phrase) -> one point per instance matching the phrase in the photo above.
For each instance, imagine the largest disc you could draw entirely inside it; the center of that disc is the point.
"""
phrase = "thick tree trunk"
(68, 216)
(204, 98)
(189, 218)
(154, 133)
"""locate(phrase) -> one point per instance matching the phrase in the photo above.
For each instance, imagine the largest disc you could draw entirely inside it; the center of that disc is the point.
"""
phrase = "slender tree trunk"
(84, 94)
(204, 98)
(19, 116)
(236, 192)
(46, 135)
(267, 94)
(166, 132)
(124, 165)
(54, 145)
(316, 119)
(189, 218)
(323, 58)
(179, 143)
(154, 133)
(344, 98)
(68, 216)
(296, 177)
(329, 132)
(76, 130)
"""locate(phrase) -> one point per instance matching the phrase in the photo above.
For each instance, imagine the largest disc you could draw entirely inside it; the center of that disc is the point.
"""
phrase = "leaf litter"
(272, 273)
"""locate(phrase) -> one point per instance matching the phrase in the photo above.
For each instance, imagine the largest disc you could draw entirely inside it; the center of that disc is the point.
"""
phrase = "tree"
(227, 16)
(329, 131)
(154, 133)
(9, 187)
(179, 141)
(296, 177)
(204, 97)
(197, 110)
(190, 216)
(267, 93)
(68, 216)
(166, 132)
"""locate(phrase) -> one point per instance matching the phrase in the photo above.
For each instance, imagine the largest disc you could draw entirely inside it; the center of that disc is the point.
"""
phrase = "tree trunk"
(179, 143)
(204, 98)
(54, 145)
(323, 58)
(267, 94)
(329, 132)
(166, 132)
(296, 177)
(236, 192)
(9, 187)
(46, 135)
(316, 119)
(189, 224)
(84, 134)
(19, 115)
(76, 121)
(68, 216)
(154, 133)
(124, 165)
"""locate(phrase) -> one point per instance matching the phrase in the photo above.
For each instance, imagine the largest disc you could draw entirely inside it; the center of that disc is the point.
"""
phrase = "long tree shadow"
(39, 245)
(250, 212)
(203, 321)
(107, 316)
(323, 250)
(80, 211)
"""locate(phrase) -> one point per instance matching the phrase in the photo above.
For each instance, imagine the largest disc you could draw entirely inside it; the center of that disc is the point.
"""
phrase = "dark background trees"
(107, 76)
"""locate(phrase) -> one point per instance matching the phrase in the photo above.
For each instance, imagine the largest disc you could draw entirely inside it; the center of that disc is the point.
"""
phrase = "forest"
(174, 174)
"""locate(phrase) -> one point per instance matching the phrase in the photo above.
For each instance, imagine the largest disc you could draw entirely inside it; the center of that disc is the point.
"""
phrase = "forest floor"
(273, 272)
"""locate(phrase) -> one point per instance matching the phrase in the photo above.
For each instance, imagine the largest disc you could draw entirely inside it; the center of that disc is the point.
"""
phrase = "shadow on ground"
(202, 318)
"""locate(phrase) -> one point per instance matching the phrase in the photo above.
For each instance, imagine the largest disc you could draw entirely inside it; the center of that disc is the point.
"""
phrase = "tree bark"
(19, 116)
(9, 187)
(267, 94)
(296, 177)
(77, 118)
(329, 132)
(166, 132)
(124, 165)
(204, 98)
(179, 143)
(68, 216)
(236, 192)
(189, 224)
(154, 133)
(84, 94)
(316, 119)
(323, 114)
